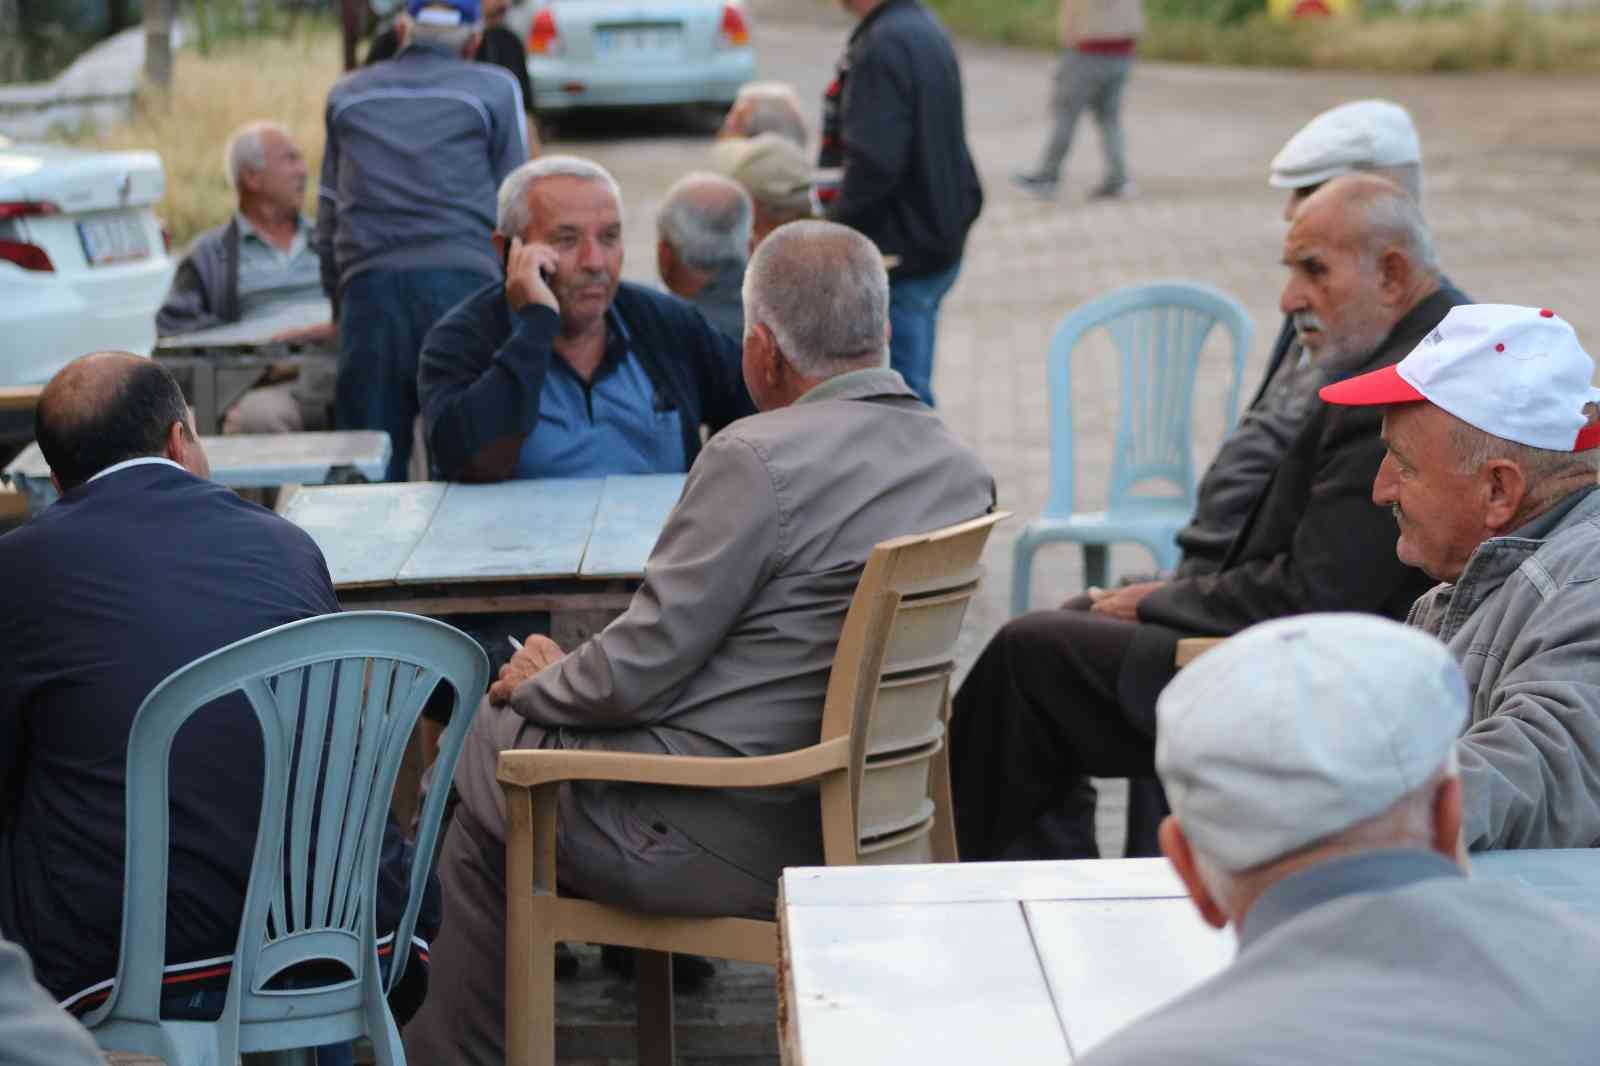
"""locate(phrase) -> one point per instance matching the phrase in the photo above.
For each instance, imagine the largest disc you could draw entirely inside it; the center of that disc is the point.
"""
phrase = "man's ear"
(402, 31)
(1395, 275)
(1505, 488)
(176, 446)
(1175, 846)
(500, 245)
(472, 44)
(1447, 822)
(666, 261)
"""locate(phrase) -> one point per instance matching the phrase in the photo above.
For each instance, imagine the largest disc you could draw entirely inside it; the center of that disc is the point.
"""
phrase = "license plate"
(117, 239)
(632, 38)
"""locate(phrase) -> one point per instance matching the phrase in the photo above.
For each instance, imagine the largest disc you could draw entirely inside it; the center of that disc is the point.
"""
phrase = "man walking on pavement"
(893, 122)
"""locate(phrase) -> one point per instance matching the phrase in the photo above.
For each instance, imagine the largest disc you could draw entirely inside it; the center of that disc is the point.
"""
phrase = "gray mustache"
(1304, 320)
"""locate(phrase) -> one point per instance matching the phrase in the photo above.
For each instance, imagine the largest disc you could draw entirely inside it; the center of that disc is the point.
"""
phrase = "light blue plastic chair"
(336, 697)
(1159, 330)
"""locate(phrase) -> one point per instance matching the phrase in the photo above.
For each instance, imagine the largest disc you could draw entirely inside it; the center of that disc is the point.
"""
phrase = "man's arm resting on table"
(718, 549)
(480, 402)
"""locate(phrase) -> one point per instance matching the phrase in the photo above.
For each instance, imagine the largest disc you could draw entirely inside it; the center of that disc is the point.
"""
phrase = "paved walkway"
(1513, 194)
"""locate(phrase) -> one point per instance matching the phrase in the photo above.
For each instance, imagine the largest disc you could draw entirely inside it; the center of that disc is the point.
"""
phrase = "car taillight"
(735, 32)
(542, 37)
(26, 208)
(26, 256)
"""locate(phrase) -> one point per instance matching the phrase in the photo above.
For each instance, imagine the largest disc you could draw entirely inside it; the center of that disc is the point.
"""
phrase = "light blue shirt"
(617, 423)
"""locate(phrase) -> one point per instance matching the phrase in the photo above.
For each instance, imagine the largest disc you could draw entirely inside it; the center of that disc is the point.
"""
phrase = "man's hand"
(525, 276)
(1122, 603)
(537, 652)
(321, 333)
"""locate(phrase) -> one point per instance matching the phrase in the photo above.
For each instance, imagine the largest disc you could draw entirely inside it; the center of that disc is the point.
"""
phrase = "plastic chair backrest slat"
(1159, 331)
(336, 698)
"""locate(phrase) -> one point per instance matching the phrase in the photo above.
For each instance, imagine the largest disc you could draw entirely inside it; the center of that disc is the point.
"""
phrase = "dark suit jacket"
(117, 584)
(1314, 541)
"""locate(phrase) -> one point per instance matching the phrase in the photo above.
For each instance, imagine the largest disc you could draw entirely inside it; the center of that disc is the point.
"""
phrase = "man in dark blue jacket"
(562, 369)
(142, 566)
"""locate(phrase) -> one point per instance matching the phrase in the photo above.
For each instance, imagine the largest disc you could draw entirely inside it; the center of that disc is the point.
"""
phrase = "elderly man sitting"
(774, 172)
(1493, 451)
(255, 263)
(1059, 695)
(704, 241)
(563, 369)
(725, 650)
(1317, 809)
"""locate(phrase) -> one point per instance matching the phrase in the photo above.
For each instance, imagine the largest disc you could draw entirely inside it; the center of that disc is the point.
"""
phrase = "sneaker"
(1035, 185)
(1108, 191)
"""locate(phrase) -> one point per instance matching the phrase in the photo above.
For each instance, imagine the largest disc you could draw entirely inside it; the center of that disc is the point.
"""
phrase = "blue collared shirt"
(616, 423)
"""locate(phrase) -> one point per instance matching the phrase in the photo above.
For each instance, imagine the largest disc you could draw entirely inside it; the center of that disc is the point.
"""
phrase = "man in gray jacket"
(726, 648)
(1317, 809)
(1493, 448)
(416, 149)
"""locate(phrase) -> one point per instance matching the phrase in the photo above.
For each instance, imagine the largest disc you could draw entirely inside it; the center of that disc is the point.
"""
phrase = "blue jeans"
(383, 317)
(913, 325)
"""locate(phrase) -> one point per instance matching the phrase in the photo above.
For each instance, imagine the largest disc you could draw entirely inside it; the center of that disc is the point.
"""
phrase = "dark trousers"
(383, 317)
(1037, 716)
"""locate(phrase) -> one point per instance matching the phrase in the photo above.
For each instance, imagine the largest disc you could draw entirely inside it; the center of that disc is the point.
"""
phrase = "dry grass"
(1222, 31)
(285, 79)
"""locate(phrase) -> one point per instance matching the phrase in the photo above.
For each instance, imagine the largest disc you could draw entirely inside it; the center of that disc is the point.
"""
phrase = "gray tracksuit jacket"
(1523, 619)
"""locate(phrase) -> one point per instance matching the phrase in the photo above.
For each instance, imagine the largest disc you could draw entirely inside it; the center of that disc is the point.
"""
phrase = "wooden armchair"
(1191, 648)
(880, 764)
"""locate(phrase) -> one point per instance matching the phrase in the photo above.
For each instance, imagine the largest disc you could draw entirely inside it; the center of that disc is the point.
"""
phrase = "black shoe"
(688, 971)
(1120, 191)
(566, 962)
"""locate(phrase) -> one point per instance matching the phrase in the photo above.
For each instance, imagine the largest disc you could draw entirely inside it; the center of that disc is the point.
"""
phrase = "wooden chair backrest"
(890, 686)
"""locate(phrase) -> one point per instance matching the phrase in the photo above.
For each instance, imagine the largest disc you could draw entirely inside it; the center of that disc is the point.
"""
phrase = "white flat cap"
(1299, 728)
(1359, 135)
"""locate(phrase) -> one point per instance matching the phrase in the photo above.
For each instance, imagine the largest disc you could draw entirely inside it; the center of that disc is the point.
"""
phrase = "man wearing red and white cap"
(1491, 466)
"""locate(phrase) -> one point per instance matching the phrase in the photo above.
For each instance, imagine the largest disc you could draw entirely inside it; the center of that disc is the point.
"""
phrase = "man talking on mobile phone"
(562, 369)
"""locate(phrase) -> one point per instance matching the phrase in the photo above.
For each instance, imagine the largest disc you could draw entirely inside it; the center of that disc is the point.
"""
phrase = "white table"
(574, 548)
(249, 461)
(1017, 962)
(218, 365)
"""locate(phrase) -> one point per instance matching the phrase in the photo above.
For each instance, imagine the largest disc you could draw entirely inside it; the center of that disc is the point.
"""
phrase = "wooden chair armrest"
(19, 397)
(543, 766)
(1191, 648)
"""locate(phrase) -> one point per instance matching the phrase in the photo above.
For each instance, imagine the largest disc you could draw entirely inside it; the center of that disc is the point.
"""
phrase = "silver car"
(627, 53)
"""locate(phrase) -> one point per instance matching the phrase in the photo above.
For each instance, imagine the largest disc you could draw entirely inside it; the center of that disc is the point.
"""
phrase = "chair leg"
(1095, 565)
(1021, 575)
(653, 971)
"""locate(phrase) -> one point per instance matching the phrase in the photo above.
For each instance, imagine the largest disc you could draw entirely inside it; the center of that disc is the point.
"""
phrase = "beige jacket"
(726, 647)
(1099, 20)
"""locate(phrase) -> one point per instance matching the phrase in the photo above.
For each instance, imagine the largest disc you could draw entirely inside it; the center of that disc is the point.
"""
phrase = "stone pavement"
(1513, 193)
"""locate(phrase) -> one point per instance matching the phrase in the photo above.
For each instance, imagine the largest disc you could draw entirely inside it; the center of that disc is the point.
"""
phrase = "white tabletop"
(428, 533)
(252, 461)
(1020, 962)
(253, 331)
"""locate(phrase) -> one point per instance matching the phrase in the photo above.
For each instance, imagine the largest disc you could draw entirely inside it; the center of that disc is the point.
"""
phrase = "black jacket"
(481, 373)
(1315, 541)
(114, 586)
(895, 121)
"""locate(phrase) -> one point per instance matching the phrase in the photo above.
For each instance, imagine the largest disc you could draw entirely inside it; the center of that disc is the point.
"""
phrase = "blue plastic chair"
(1159, 330)
(336, 698)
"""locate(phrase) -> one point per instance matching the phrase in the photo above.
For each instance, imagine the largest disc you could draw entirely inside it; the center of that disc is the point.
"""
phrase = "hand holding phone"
(529, 270)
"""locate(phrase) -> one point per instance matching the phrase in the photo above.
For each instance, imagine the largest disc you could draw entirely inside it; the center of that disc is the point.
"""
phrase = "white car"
(84, 263)
(627, 53)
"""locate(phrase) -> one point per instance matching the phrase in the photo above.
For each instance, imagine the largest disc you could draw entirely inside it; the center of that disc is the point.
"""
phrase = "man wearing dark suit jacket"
(1058, 696)
(142, 566)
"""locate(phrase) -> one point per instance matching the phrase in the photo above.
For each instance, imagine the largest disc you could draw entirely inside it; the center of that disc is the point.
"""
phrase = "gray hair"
(513, 214)
(706, 219)
(822, 289)
(1407, 822)
(244, 150)
(451, 38)
(1406, 175)
(774, 108)
(1473, 447)
(1387, 217)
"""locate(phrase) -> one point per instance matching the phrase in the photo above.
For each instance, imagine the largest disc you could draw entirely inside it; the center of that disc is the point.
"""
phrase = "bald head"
(108, 407)
(1376, 213)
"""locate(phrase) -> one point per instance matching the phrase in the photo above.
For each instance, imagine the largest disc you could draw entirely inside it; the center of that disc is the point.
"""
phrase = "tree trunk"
(350, 15)
(158, 42)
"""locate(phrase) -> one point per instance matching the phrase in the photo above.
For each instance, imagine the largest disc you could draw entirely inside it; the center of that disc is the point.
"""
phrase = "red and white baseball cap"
(1517, 373)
